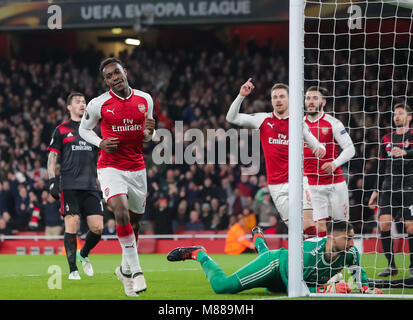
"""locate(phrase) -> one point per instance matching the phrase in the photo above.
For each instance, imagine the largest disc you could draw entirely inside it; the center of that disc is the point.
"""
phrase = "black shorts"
(399, 204)
(81, 202)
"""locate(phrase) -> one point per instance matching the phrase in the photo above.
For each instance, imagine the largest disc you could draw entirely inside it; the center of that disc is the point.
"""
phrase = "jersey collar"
(278, 117)
(319, 118)
(113, 94)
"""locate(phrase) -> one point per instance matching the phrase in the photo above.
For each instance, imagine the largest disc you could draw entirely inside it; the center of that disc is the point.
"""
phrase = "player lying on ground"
(323, 257)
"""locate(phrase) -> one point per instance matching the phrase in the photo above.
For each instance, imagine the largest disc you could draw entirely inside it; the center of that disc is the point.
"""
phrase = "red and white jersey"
(330, 132)
(274, 139)
(121, 118)
(274, 142)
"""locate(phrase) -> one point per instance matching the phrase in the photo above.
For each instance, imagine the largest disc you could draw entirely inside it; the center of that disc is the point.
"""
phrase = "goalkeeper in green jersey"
(323, 260)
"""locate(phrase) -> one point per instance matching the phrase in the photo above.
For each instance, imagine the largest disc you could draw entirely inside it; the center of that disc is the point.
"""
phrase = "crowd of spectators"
(194, 86)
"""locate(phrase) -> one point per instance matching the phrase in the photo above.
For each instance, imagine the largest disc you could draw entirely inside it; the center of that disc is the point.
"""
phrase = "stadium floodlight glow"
(133, 42)
(117, 30)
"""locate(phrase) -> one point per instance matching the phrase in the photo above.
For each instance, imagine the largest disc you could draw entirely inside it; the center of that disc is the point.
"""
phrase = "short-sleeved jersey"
(121, 118)
(274, 142)
(274, 137)
(396, 172)
(77, 157)
(330, 132)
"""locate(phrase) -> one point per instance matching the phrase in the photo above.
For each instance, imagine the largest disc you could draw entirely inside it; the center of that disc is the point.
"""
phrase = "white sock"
(127, 241)
(125, 265)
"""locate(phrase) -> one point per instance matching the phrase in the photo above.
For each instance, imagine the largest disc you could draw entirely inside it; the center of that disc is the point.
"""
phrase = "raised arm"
(242, 119)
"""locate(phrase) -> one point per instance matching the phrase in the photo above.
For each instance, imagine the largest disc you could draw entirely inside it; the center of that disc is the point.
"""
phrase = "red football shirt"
(330, 132)
(121, 118)
(274, 142)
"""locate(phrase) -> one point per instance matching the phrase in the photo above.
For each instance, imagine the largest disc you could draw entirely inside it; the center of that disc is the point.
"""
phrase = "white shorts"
(330, 201)
(114, 182)
(279, 195)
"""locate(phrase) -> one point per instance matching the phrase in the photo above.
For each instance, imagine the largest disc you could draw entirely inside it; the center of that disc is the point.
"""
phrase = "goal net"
(361, 52)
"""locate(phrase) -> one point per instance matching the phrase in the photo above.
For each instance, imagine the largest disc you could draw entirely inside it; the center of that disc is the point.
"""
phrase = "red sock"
(124, 231)
(256, 236)
(195, 253)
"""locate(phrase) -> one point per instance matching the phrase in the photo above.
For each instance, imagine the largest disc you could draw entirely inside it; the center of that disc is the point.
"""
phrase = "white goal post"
(362, 52)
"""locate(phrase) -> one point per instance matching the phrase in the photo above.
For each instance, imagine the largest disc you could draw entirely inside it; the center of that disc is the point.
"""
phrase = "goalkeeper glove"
(368, 290)
(54, 188)
(340, 287)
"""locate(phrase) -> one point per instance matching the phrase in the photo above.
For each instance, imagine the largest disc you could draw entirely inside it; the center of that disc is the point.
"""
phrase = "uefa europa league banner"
(103, 14)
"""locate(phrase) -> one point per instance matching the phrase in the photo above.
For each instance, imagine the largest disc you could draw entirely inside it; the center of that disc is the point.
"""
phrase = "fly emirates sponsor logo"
(128, 125)
(281, 139)
(83, 146)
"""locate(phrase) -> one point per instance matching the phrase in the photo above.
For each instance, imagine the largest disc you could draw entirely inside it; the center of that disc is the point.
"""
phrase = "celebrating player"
(126, 122)
(79, 191)
(395, 184)
(323, 259)
(328, 189)
(274, 140)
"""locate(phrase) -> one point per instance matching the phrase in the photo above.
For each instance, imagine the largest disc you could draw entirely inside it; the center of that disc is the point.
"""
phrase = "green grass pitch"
(27, 278)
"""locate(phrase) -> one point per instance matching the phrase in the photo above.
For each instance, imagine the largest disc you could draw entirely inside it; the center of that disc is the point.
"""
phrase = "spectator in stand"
(194, 223)
(264, 207)
(49, 210)
(23, 209)
(165, 183)
(206, 215)
(236, 241)
(192, 193)
(215, 222)
(4, 229)
(110, 228)
(276, 226)
(214, 206)
(181, 217)
(245, 186)
(253, 181)
(6, 199)
(223, 217)
(208, 190)
(162, 216)
(39, 175)
(236, 202)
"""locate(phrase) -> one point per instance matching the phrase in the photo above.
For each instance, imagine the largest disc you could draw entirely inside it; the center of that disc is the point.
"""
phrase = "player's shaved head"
(107, 61)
